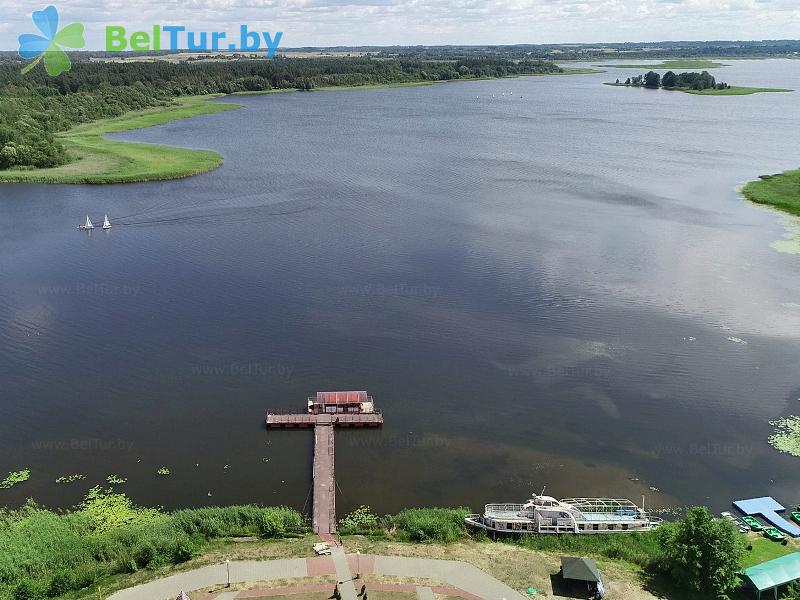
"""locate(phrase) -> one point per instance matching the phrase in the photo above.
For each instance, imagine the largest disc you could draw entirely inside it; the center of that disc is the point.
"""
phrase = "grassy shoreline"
(781, 191)
(730, 91)
(98, 160)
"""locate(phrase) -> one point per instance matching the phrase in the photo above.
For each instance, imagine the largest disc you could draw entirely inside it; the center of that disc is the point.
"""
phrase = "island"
(52, 129)
(703, 83)
(781, 191)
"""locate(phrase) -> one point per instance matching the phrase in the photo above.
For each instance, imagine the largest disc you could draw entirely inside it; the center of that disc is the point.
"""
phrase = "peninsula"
(67, 117)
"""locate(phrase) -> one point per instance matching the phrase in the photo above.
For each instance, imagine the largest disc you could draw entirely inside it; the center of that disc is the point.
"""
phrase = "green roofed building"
(584, 570)
(772, 574)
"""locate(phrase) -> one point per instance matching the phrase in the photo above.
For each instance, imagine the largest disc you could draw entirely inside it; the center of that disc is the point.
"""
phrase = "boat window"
(595, 526)
(611, 527)
(508, 525)
(624, 526)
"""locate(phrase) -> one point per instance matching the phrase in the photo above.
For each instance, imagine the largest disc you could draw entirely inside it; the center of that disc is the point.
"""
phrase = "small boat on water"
(545, 514)
(106, 223)
(87, 225)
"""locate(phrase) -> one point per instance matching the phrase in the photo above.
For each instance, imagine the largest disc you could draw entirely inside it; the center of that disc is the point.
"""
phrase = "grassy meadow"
(781, 191)
(97, 160)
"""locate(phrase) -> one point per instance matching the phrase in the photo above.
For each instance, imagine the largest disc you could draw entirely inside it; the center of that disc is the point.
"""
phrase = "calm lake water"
(542, 281)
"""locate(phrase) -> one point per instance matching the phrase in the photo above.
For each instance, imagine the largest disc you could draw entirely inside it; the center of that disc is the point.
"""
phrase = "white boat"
(106, 223)
(545, 514)
(87, 225)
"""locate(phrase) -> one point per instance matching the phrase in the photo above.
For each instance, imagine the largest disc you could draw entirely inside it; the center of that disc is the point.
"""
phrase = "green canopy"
(774, 573)
(582, 569)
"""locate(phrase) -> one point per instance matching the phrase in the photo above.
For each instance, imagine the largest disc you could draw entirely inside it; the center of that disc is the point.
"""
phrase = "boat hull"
(474, 522)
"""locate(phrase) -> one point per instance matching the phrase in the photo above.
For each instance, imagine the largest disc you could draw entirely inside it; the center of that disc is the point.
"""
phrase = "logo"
(50, 45)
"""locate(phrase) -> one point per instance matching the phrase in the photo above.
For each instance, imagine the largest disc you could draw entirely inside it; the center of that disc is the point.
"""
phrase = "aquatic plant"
(106, 511)
(787, 435)
(361, 520)
(164, 471)
(116, 479)
(70, 478)
(15, 477)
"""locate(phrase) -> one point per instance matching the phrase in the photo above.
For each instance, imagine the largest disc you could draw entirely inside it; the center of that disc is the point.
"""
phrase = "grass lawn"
(764, 549)
(99, 160)
(781, 191)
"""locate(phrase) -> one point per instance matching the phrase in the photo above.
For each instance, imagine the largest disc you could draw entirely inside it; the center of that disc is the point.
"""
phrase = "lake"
(541, 281)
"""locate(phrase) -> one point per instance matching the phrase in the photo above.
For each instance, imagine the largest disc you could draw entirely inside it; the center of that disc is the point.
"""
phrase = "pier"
(325, 412)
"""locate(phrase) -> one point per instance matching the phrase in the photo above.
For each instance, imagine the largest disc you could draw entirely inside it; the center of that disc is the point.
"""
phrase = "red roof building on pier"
(331, 403)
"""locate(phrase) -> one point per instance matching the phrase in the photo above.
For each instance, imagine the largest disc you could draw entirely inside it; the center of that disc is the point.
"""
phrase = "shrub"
(280, 522)
(444, 525)
(360, 521)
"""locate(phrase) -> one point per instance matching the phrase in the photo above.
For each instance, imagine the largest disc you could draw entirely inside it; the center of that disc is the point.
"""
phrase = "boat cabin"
(331, 403)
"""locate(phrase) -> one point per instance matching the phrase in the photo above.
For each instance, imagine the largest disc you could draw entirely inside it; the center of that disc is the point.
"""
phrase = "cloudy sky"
(388, 22)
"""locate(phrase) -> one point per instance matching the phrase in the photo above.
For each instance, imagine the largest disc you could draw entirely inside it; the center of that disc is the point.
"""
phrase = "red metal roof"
(342, 397)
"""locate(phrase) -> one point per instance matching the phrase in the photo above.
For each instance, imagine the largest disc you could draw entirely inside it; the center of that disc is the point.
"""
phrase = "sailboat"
(106, 223)
(87, 225)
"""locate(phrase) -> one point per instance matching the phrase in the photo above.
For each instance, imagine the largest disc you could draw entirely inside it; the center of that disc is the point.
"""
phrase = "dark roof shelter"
(579, 569)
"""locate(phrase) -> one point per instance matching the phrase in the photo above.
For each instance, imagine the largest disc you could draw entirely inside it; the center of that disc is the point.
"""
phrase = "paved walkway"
(346, 587)
(462, 576)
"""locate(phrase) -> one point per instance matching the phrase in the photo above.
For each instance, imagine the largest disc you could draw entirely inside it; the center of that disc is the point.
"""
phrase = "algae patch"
(787, 435)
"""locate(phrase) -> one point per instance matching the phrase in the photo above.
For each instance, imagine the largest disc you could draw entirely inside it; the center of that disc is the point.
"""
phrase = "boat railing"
(504, 507)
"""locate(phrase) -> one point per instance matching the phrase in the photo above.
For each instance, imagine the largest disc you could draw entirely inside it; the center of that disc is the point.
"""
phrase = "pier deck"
(323, 518)
(324, 515)
(308, 420)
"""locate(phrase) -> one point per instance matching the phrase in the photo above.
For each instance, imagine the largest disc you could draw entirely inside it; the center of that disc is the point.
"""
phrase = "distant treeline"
(35, 106)
(690, 81)
(615, 51)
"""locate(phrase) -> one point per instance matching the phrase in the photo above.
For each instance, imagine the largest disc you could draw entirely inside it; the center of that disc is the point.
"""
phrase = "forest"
(34, 107)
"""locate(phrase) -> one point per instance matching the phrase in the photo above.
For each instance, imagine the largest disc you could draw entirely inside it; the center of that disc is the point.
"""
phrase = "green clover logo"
(49, 45)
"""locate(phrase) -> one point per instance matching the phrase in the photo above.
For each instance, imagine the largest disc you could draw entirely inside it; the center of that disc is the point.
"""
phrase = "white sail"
(88, 223)
(106, 223)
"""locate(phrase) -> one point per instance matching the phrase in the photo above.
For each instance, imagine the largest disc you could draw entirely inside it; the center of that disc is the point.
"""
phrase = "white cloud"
(386, 22)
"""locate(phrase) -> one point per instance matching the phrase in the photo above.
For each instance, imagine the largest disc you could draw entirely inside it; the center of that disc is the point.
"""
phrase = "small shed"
(585, 570)
(354, 402)
(770, 575)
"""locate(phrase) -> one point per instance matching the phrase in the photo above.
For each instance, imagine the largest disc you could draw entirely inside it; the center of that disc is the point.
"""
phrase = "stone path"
(465, 580)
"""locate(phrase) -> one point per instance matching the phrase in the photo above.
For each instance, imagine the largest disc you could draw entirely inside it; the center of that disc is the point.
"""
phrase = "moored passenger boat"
(545, 514)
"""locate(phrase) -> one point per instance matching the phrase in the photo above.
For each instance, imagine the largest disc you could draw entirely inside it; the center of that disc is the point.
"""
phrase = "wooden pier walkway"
(323, 518)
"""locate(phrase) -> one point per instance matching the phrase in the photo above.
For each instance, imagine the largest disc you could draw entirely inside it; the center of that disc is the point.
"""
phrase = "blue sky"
(387, 22)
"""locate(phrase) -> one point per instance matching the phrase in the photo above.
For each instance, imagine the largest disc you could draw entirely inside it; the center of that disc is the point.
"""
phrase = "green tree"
(652, 80)
(702, 553)
(792, 592)
(669, 80)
